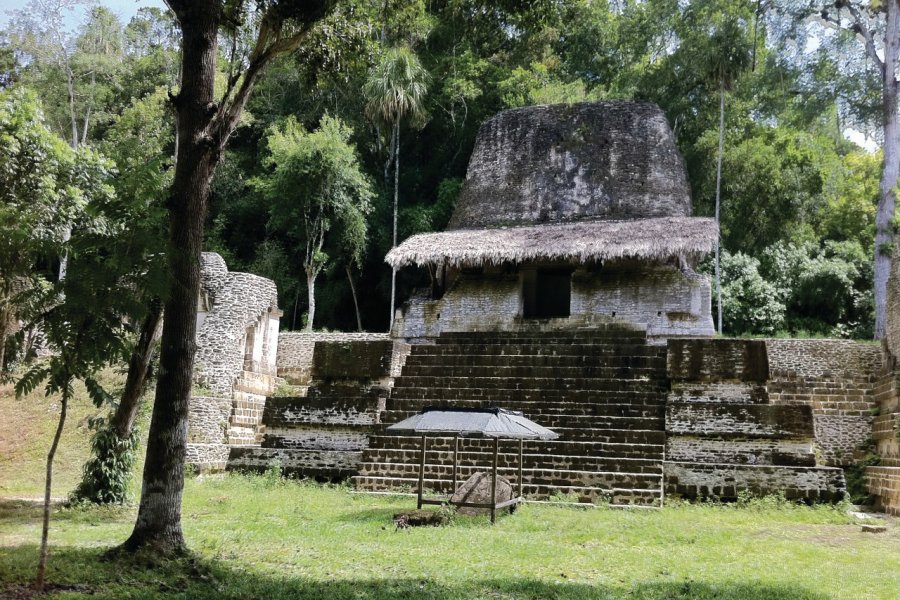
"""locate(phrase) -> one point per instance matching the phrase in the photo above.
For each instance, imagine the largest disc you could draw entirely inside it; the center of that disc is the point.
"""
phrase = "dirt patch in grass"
(14, 591)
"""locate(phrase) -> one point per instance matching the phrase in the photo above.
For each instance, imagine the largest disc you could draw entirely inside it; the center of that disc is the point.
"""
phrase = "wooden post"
(494, 482)
(422, 471)
(521, 443)
(455, 454)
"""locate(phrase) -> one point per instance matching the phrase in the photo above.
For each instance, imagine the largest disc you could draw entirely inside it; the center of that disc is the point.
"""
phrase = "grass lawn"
(262, 537)
(257, 537)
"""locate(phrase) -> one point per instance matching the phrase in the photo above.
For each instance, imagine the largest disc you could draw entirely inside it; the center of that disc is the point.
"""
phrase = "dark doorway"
(546, 293)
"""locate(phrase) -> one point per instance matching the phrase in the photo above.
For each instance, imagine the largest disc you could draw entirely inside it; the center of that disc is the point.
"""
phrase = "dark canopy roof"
(489, 422)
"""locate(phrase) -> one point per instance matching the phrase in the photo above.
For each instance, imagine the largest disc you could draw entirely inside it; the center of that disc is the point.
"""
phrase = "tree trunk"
(718, 201)
(158, 523)
(884, 232)
(396, 138)
(138, 369)
(311, 295)
(352, 292)
(48, 484)
(100, 483)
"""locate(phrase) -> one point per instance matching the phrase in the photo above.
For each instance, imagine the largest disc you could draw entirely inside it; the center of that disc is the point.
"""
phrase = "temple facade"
(571, 216)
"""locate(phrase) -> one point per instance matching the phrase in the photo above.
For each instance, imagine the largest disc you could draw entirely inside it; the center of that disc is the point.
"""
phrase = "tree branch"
(861, 28)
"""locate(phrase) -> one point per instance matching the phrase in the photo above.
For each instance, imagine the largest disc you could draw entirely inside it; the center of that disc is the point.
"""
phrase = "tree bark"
(718, 200)
(48, 484)
(138, 369)
(396, 138)
(311, 296)
(158, 523)
(884, 227)
(352, 293)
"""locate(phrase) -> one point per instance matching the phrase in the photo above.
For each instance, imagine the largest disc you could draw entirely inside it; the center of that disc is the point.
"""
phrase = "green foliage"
(108, 473)
(749, 303)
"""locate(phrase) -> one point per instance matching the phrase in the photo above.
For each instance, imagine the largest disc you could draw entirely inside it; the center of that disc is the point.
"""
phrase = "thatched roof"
(659, 238)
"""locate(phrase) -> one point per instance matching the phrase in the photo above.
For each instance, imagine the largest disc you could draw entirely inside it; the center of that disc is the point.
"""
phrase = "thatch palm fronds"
(646, 239)
(395, 90)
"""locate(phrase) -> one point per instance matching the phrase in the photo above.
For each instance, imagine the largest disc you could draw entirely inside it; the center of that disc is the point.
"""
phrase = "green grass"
(27, 426)
(253, 537)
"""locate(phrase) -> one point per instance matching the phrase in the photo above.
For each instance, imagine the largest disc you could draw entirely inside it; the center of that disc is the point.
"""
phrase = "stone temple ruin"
(563, 287)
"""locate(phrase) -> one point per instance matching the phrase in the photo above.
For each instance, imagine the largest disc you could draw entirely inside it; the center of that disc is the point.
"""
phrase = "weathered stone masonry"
(321, 432)
(237, 339)
(725, 436)
(883, 480)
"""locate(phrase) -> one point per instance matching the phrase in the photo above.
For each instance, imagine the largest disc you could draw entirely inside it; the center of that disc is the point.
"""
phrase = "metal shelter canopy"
(495, 423)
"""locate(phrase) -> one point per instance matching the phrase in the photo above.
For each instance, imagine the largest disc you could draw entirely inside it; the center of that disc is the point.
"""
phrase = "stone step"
(599, 448)
(318, 438)
(555, 421)
(549, 338)
(537, 409)
(502, 396)
(534, 383)
(538, 349)
(478, 373)
(617, 496)
(504, 355)
(507, 459)
(322, 465)
(298, 413)
(530, 475)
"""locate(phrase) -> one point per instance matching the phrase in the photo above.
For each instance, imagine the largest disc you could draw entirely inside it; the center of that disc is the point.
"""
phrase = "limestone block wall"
(243, 302)
(662, 299)
(322, 432)
(836, 378)
(724, 436)
(296, 350)
(883, 480)
(237, 334)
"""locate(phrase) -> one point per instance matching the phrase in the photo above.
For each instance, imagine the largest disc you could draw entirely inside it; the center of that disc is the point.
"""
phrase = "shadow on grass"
(84, 571)
(32, 510)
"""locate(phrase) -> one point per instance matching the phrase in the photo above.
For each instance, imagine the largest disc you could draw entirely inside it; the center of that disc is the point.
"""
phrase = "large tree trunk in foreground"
(884, 232)
(48, 484)
(158, 522)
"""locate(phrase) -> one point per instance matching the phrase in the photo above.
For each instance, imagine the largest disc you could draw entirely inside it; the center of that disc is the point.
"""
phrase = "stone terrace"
(602, 390)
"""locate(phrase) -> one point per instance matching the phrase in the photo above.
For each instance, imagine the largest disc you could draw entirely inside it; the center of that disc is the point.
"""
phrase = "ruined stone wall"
(539, 164)
(883, 480)
(237, 334)
(723, 435)
(659, 298)
(322, 432)
(836, 378)
(242, 302)
(297, 348)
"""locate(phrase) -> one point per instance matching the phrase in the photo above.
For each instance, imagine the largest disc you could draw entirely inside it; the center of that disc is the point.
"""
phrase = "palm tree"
(395, 91)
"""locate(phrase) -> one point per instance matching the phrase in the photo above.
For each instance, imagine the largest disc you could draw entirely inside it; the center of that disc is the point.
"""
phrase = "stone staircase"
(320, 435)
(602, 390)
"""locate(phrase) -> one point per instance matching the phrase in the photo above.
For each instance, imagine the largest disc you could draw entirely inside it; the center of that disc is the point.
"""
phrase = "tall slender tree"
(877, 27)
(395, 92)
(204, 125)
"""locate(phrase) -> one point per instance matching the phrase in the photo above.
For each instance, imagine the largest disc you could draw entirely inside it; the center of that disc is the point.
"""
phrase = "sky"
(125, 9)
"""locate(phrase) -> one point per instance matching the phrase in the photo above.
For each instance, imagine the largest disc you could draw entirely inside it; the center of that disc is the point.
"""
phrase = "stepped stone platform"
(603, 390)
(725, 436)
(321, 431)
